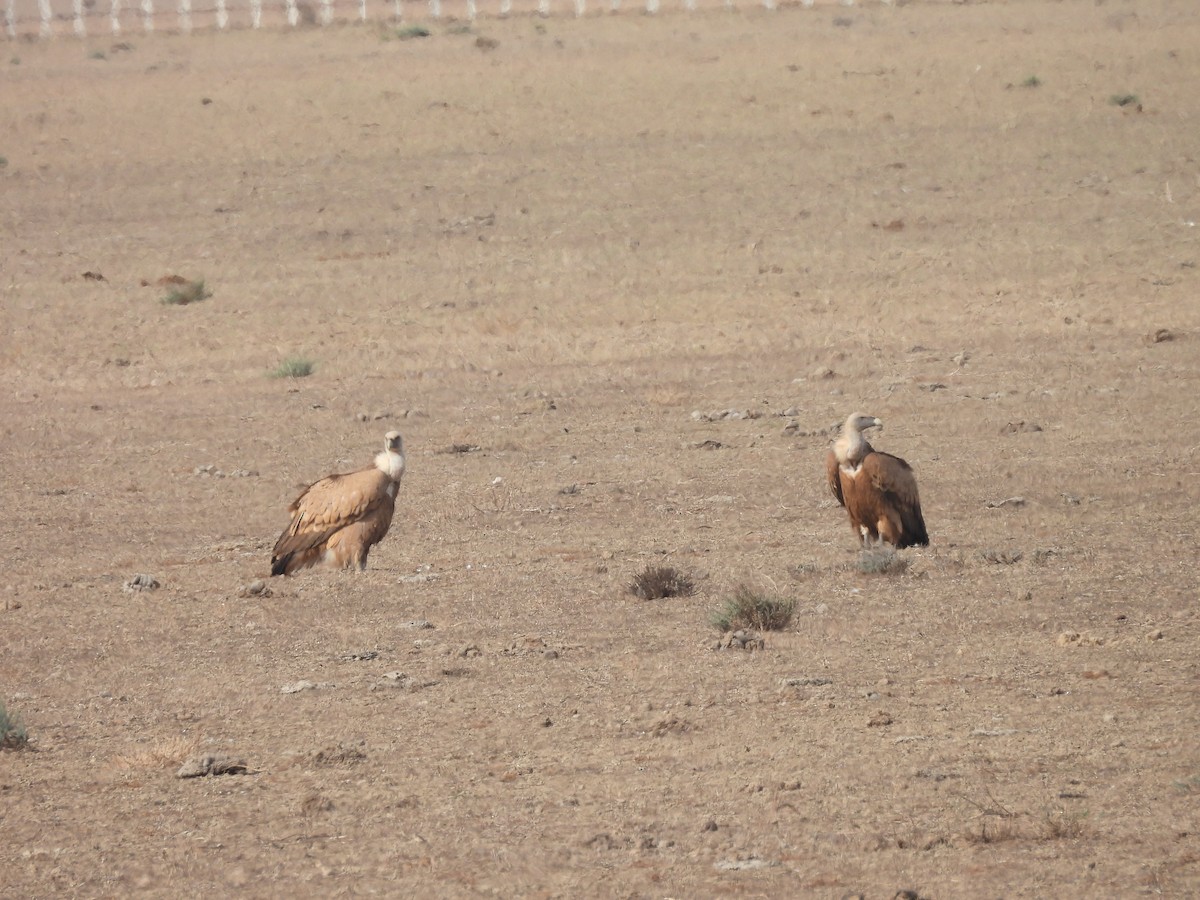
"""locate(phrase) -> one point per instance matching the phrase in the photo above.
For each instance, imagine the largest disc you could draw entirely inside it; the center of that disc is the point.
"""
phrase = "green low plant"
(294, 367)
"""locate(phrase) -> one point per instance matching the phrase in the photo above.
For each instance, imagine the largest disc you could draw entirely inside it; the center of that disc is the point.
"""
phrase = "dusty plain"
(556, 245)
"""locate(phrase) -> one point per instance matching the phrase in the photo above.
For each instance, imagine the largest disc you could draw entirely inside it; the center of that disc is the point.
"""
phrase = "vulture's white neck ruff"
(391, 464)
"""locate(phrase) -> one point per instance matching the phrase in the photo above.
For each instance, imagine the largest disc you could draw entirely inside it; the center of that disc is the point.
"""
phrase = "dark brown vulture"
(878, 490)
(338, 519)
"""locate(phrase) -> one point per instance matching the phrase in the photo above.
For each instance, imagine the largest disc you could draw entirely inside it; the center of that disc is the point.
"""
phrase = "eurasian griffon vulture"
(878, 490)
(338, 519)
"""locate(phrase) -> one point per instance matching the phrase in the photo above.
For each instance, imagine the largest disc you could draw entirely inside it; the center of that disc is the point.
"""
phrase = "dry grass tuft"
(1060, 825)
(881, 561)
(657, 582)
(748, 608)
(994, 832)
(188, 292)
(166, 753)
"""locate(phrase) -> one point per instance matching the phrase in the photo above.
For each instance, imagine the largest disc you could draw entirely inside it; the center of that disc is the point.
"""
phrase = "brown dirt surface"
(552, 249)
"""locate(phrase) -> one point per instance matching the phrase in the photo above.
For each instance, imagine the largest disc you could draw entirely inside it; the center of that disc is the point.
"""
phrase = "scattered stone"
(993, 732)
(341, 755)
(296, 687)
(741, 639)
(932, 386)
(256, 588)
(1155, 337)
(470, 652)
(373, 417)
(549, 653)
(141, 582)
(419, 578)
(710, 825)
(1021, 427)
(212, 471)
(740, 865)
(461, 448)
(960, 359)
(881, 719)
(1001, 557)
(402, 681)
(208, 764)
(360, 656)
(708, 445)
(1075, 639)
(418, 624)
(823, 373)
(805, 682)
(1155, 635)
(93, 276)
(722, 415)
(1015, 502)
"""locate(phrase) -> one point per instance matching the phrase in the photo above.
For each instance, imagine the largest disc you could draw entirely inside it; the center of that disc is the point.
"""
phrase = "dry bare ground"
(555, 245)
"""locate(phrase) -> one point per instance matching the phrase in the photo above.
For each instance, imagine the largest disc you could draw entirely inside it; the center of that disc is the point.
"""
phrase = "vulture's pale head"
(393, 442)
(860, 422)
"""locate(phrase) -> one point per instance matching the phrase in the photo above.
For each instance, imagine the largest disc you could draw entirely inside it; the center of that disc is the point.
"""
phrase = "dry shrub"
(13, 735)
(657, 582)
(748, 608)
(188, 292)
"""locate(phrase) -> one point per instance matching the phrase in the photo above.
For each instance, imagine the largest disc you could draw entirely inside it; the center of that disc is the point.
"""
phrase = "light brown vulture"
(337, 520)
(878, 490)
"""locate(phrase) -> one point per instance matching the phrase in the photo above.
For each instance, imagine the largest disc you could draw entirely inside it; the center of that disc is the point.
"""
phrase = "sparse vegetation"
(994, 832)
(294, 367)
(97, 54)
(188, 292)
(1031, 82)
(1124, 100)
(168, 753)
(881, 561)
(409, 32)
(1188, 785)
(3, 161)
(748, 608)
(1001, 557)
(1058, 825)
(13, 735)
(657, 582)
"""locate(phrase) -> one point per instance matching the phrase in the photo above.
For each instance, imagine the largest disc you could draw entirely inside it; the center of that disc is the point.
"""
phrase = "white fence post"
(185, 16)
(362, 11)
(255, 13)
(543, 8)
(78, 10)
(293, 14)
(652, 7)
(505, 7)
(580, 8)
(222, 15)
(44, 14)
(148, 16)
(435, 8)
(397, 10)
